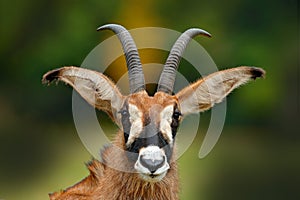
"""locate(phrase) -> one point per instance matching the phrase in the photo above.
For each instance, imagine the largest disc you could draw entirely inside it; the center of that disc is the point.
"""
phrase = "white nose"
(152, 160)
(152, 164)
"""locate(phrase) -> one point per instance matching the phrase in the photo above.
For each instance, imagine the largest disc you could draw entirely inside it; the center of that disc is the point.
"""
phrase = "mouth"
(153, 177)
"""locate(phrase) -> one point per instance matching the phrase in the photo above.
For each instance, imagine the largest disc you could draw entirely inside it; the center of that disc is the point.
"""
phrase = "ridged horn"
(167, 77)
(135, 70)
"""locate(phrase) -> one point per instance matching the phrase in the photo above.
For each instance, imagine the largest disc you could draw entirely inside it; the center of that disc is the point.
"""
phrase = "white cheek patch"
(165, 123)
(136, 123)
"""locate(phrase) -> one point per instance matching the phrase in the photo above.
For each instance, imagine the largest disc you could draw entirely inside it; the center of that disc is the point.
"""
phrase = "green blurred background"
(257, 156)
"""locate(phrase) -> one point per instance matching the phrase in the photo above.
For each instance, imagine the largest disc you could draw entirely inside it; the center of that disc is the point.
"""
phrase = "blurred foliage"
(257, 156)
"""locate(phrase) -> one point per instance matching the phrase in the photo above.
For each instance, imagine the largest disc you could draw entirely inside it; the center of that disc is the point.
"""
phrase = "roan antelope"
(148, 124)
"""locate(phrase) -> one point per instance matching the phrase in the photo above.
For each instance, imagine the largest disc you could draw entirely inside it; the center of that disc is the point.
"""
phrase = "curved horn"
(167, 77)
(135, 71)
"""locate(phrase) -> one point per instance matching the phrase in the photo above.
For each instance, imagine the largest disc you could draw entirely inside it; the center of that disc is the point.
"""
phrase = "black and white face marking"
(149, 138)
(169, 122)
(152, 164)
(136, 121)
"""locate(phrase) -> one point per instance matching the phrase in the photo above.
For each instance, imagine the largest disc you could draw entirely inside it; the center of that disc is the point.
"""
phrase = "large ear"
(204, 93)
(94, 87)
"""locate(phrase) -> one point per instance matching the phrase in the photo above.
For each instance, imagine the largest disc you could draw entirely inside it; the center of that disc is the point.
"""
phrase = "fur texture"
(105, 183)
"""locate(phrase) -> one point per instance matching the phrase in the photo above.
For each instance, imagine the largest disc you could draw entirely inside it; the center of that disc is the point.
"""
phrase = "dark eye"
(176, 114)
(125, 123)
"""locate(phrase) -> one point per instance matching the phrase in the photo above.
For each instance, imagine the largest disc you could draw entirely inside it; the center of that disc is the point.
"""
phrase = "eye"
(175, 121)
(125, 123)
(176, 114)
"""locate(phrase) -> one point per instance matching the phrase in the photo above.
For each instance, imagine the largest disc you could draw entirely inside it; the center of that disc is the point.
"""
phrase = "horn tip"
(205, 33)
(110, 26)
(101, 27)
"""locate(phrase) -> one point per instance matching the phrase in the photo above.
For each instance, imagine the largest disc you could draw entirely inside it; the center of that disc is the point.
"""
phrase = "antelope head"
(149, 123)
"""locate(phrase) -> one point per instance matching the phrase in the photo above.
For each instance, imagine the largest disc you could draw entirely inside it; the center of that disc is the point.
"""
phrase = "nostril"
(152, 164)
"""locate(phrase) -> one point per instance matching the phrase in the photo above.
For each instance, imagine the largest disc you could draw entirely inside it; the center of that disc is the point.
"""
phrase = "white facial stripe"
(135, 118)
(165, 122)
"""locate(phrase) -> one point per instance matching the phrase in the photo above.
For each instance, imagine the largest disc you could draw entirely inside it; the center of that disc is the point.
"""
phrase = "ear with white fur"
(98, 90)
(203, 94)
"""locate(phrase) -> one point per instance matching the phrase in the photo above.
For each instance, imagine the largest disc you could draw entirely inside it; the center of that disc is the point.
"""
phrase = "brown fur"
(104, 181)
(107, 183)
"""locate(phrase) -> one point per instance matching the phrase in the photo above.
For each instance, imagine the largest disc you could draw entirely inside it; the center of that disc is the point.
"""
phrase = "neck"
(128, 185)
(106, 182)
(124, 185)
